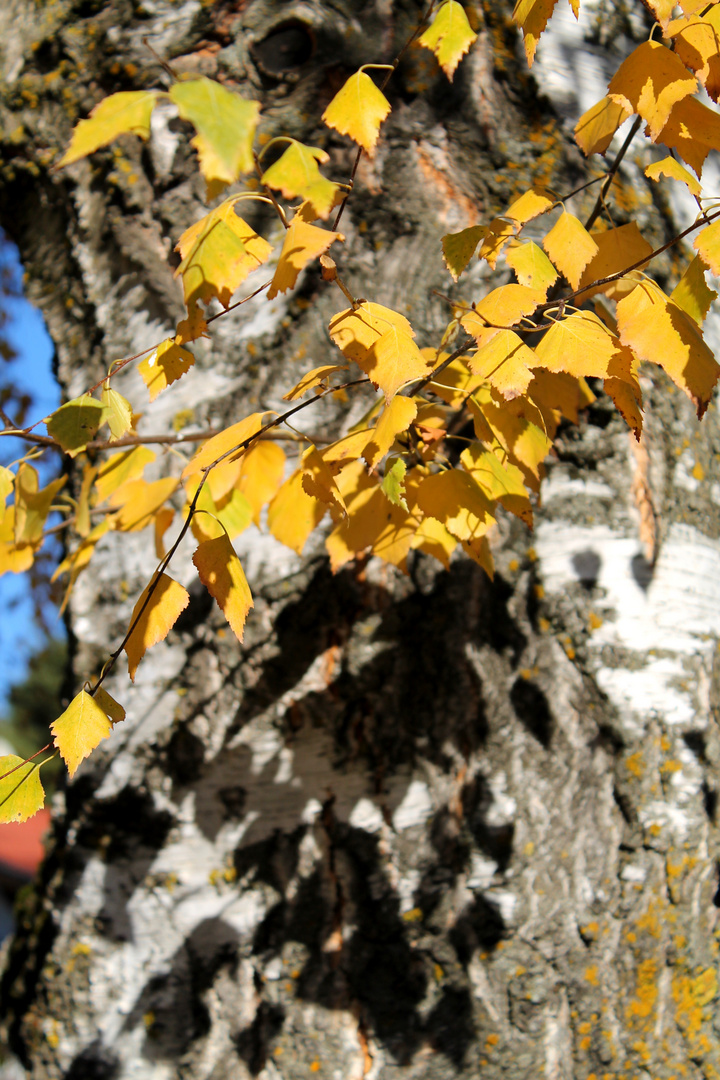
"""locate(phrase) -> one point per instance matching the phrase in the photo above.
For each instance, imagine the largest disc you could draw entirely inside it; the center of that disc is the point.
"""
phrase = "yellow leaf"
(531, 265)
(697, 43)
(192, 328)
(231, 514)
(506, 362)
(13, 560)
(479, 552)
(218, 252)
(500, 482)
(119, 468)
(76, 562)
(570, 246)
(627, 402)
(596, 128)
(163, 520)
(672, 168)
(692, 293)
(433, 538)
(519, 428)
(318, 480)
(223, 443)
(112, 708)
(662, 10)
(501, 308)
(393, 361)
(459, 248)
(293, 514)
(693, 130)
(119, 114)
(582, 345)
(395, 417)
(558, 394)
(296, 174)
(312, 379)
(225, 125)
(155, 619)
(303, 242)
(373, 522)
(165, 366)
(349, 448)
(358, 110)
(355, 331)
(222, 575)
(21, 793)
(261, 473)
(139, 501)
(79, 729)
(449, 36)
(532, 18)
(617, 249)
(707, 245)
(118, 412)
(32, 506)
(659, 331)
(456, 500)
(495, 238)
(75, 424)
(650, 82)
(529, 205)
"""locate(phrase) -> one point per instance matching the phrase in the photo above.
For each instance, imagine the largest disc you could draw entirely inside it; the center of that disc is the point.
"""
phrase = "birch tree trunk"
(422, 826)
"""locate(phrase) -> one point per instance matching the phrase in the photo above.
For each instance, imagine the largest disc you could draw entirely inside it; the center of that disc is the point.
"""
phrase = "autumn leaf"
(311, 379)
(673, 169)
(707, 245)
(506, 362)
(137, 502)
(692, 293)
(500, 482)
(501, 308)
(222, 575)
(225, 125)
(582, 345)
(117, 469)
(662, 10)
(21, 792)
(532, 18)
(125, 113)
(697, 43)
(293, 514)
(318, 480)
(531, 204)
(617, 249)
(531, 265)
(395, 418)
(658, 330)
(693, 130)
(393, 361)
(456, 500)
(558, 394)
(162, 610)
(570, 246)
(79, 730)
(75, 424)
(449, 36)
(650, 82)
(231, 514)
(459, 248)
(32, 504)
(495, 237)
(165, 366)
(358, 110)
(112, 708)
(355, 330)
(222, 443)
(296, 174)
(596, 128)
(261, 473)
(433, 538)
(518, 426)
(117, 412)
(303, 242)
(218, 252)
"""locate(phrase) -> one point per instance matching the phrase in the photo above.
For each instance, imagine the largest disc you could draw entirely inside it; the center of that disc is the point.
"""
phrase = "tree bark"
(420, 826)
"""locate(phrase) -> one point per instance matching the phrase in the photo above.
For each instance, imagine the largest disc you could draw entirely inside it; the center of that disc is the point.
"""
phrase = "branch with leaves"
(582, 305)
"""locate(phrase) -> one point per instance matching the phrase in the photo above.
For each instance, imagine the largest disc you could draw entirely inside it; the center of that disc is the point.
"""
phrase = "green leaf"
(394, 483)
(79, 729)
(21, 793)
(459, 248)
(75, 425)
(296, 174)
(120, 114)
(118, 412)
(449, 36)
(225, 125)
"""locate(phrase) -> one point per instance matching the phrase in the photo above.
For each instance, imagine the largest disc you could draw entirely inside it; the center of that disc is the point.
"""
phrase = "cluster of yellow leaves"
(401, 479)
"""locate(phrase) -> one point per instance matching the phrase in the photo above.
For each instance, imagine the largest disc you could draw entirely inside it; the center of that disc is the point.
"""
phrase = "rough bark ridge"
(424, 826)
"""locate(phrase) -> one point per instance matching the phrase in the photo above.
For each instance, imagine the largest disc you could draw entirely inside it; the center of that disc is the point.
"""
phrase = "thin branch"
(600, 202)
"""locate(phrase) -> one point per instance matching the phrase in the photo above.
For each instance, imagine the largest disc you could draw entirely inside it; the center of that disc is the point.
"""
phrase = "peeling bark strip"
(415, 827)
